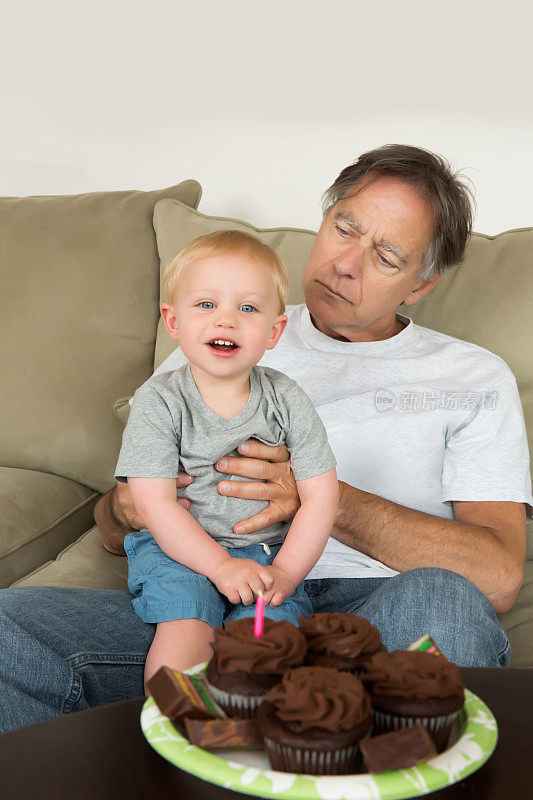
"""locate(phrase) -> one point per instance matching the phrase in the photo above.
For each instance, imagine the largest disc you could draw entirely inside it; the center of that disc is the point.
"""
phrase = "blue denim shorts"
(164, 590)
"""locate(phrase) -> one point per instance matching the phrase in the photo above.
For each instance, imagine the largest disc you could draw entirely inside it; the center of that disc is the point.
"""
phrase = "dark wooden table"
(101, 753)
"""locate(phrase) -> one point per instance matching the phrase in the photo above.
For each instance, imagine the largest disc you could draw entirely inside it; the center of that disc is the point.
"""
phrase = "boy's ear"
(169, 318)
(277, 329)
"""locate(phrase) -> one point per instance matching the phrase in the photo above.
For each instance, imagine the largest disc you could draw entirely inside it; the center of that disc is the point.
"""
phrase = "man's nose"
(350, 262)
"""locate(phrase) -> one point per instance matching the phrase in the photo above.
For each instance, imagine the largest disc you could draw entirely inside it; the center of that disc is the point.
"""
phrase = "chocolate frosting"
(236, 648)
(412, 674)
(320, 697)
(338, 634)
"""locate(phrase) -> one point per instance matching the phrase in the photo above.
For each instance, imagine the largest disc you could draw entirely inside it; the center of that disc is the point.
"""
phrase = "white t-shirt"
(421, 419)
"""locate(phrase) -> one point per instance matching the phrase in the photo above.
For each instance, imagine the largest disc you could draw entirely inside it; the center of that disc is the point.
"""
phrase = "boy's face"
(227, 297)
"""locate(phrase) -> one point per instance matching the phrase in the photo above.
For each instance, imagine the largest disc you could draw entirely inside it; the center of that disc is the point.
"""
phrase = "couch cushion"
(78, 317)
(518, 623)
(39, 515)
(85, 563)
(176, 225)
(488, 300)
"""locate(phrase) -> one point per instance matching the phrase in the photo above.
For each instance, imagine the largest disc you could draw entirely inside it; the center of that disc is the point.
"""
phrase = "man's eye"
(342, 231)
(207, 303)
(248, 308)
(386, 263)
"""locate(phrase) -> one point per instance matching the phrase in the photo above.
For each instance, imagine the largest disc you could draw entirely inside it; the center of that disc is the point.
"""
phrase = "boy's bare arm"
(176, 532)
(115, 514)
(309, 531)
(180, 536)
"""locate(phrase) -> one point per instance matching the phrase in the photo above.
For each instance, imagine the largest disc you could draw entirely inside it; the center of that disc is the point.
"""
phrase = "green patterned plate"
(475, 736)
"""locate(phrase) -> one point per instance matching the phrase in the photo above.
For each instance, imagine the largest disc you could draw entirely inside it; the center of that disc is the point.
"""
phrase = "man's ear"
(420, 291)
(169, 318)
(277, 329)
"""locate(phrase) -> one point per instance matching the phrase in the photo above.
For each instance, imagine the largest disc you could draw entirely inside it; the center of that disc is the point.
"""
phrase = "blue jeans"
(65, 650)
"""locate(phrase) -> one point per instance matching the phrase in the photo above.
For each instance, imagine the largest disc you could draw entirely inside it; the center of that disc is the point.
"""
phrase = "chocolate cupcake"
(243, 668)
(412, 687)
(313, 720)
(343, 641)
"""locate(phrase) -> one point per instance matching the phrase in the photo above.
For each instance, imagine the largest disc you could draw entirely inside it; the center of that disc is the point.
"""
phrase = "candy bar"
(425, 644)
(214, 734)
(397, 749)
(179, 695)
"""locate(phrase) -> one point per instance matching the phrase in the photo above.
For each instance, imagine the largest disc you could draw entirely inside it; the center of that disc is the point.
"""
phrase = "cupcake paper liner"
(438, 727)
(287, 758)
(236, 705)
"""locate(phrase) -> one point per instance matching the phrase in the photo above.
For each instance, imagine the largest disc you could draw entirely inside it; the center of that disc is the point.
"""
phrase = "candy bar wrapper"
(179, 695)
(426, 645)
(216, 734)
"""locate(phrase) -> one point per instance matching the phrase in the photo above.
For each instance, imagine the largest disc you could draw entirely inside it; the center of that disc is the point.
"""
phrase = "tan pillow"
(122, 408)
(78, 317)
(488, 300)
(176, 225)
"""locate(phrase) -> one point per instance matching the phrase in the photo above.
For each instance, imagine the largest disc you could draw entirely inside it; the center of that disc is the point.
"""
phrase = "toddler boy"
(189, 571)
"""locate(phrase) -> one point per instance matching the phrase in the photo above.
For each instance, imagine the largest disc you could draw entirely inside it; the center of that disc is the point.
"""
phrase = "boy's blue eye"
(246, 306)
(206, 303)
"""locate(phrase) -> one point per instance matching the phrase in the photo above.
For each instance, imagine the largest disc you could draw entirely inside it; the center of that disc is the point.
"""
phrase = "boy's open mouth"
(223, 345)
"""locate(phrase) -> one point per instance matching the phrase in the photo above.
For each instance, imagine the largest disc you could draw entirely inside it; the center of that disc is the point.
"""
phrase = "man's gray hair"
(449, 196)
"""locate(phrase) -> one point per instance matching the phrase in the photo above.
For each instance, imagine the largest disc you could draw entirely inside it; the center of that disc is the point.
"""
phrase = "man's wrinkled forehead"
(342, 214)
(400, 209)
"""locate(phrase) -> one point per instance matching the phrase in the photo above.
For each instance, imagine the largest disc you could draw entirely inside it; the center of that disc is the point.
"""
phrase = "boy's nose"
(226, 320)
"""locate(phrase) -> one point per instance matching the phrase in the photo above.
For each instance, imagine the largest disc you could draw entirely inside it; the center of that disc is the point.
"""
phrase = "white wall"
(264, 103)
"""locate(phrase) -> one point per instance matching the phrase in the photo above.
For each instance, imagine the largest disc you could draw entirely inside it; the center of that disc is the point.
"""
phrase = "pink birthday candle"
(259, 615)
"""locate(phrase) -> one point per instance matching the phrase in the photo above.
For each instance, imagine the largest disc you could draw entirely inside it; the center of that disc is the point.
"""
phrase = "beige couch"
(80, 331)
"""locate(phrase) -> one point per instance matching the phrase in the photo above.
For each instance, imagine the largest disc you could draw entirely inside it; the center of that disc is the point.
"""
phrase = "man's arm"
(486, 543)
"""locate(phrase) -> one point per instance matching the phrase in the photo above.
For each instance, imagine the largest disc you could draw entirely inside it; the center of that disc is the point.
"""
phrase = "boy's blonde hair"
(223, 242)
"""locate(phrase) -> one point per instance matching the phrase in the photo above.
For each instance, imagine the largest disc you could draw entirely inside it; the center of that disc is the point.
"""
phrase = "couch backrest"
(488, 300)
(79, 314)
(79, 310)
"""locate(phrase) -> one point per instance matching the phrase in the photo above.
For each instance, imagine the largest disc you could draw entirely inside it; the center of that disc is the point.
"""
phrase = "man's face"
(368, 251)
(228, 297)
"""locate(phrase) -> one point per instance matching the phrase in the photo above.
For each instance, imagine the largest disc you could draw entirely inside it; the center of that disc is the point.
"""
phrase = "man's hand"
(241, 580)
(115, 514)
(282, 586)
(265, 463)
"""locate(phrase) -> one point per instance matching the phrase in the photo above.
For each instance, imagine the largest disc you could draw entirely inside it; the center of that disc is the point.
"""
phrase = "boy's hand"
(282, 586)
(241, 580)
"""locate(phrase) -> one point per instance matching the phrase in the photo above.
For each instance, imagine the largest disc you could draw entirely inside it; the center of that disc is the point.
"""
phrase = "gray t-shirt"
(170, 427)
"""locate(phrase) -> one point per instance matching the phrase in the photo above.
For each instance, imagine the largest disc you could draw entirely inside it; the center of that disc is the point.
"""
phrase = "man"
(427, 431)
